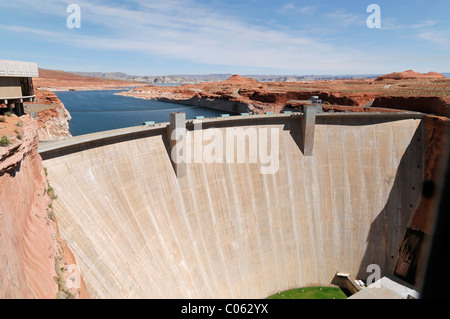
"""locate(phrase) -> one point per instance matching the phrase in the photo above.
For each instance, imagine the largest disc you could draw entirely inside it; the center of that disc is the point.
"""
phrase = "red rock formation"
(53, 117)
(436, 142)
(410, 74)
(33, 256)
(426, 104)
(260, 97)
(237, 79)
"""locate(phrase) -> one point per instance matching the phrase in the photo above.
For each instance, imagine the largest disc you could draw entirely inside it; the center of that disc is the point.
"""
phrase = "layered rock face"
(53, 117)
(436, 105)
(34, 260)
(436, 142)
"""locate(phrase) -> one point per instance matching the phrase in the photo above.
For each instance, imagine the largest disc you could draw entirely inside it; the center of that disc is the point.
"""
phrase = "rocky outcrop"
(237, 79)
(53, 117)
(436, 142)
(410, 74)
(426, 104)
(34, 260)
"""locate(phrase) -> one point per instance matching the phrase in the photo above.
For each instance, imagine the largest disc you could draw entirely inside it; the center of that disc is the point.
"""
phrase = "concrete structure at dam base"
(224, 230)
(388, 287)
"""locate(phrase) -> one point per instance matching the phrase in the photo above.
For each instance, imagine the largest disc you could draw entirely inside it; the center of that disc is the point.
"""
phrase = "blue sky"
(228, 36)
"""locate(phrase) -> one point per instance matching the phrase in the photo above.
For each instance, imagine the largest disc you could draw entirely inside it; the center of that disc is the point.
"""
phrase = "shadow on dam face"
(403, 200)
(226, 230)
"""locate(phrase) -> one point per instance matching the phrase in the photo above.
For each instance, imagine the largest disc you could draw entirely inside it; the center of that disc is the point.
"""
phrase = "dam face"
(228, 231)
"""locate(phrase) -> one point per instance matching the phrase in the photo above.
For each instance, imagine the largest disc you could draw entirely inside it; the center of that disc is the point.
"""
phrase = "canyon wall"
(435, 105)
(53, 118)
(34, 260)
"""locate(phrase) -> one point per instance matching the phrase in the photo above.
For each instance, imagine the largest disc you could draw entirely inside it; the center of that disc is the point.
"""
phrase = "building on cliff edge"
(16, 85)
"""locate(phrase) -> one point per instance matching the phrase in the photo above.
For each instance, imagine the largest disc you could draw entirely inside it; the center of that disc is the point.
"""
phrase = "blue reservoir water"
(96, 111)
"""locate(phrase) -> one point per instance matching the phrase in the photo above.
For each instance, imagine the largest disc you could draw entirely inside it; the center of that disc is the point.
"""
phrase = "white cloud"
(431, 31)
(342, 17)
(436, 36)
(423, 24)
(291, 8)
(390, 23)
(191, 32)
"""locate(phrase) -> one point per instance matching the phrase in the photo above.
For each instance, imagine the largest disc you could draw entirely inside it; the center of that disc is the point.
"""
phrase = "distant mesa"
(62, 80)
(410, 75)
(237, 79)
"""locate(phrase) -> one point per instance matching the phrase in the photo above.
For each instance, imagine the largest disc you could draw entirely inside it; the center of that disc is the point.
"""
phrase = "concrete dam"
(225, 230)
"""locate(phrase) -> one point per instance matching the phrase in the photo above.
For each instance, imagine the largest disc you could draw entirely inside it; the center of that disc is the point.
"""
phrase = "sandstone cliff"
(53, 117)
(34, 260)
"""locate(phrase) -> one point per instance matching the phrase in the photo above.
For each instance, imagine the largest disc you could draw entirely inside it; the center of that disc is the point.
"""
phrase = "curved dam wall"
(226, 230)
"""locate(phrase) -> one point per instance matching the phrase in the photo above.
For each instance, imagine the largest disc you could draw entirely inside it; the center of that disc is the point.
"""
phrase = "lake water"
(96, 111)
